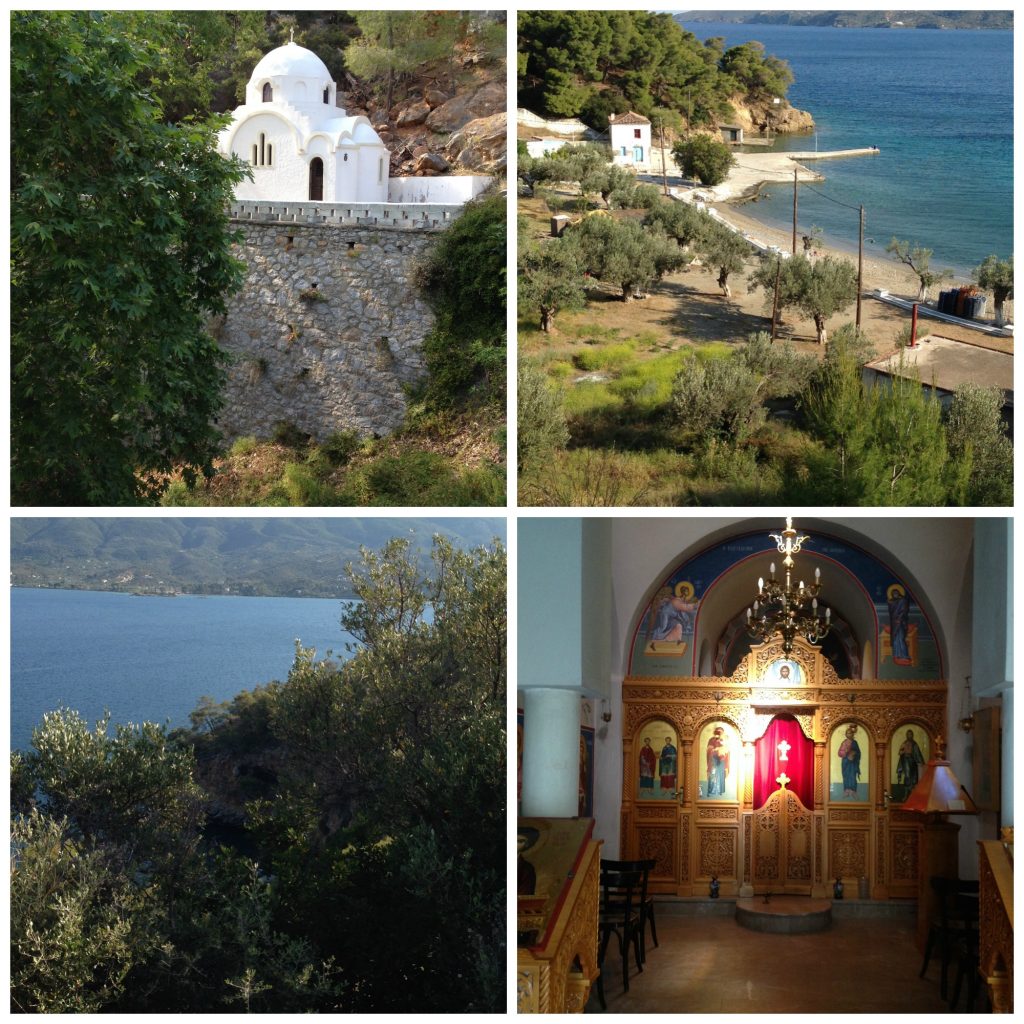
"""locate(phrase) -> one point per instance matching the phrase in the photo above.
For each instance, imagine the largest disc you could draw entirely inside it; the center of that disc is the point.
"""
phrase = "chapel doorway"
(316, 179)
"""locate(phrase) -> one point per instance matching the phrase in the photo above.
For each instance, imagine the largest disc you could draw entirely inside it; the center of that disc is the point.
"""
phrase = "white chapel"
(300, 145)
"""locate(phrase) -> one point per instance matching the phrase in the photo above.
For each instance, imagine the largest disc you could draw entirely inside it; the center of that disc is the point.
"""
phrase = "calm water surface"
(939, 106)
(151, 658)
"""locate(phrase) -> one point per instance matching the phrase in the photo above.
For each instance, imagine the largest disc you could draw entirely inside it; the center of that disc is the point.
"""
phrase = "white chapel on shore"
(300, 144)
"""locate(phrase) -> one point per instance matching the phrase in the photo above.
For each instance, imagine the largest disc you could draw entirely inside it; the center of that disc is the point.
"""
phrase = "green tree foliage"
(371, 793)
(906, 461)
(550, 279)
(829, 287)
(919, 260)
(784, 371)
(681, 221)
(203, 58)
(411, 728)
(703, 158)
(996, 276)
(791, 275)
(756, 74)
(717, 399)
(74, 938)
(120, 253)
(465, 281)
(593, 63)
(978, 441)
(835, 407)
(542, 426)
(819, 289)
(722, 249)
(393, 44)
(624, 253)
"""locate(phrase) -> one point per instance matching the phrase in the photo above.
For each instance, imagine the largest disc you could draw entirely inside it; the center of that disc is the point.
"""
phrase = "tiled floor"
(712, 965)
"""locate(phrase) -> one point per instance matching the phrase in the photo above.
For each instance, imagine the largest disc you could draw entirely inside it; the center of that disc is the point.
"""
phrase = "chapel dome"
(290, 61)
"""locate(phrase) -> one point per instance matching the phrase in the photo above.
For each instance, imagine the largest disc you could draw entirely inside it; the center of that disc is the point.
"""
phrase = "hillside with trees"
(259, 557)
(979, 19)
(590, 64)
(331, 843)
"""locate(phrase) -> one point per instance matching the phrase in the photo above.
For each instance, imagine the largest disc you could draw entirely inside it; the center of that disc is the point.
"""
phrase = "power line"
(856, 209)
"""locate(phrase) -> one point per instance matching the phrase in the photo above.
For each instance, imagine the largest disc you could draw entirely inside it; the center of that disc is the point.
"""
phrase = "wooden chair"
(646, 900)
(957, 926)
(619, 916)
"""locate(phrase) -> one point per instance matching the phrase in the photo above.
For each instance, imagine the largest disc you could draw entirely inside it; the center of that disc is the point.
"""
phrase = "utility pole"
(775, 297)
(795, 169)
(860, 264)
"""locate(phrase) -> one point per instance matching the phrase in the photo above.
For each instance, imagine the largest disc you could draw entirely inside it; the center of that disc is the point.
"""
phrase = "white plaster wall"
(933, 553)
(288, 178)
(372, 170)
(622, 135)
(543, 147)
(450, 188)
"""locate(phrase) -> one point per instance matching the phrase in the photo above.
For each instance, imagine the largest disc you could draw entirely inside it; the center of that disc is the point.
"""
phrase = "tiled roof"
(629, 118)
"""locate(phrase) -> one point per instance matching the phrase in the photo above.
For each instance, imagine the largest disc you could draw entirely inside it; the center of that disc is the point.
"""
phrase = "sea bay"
(152, 658)
(939, 107)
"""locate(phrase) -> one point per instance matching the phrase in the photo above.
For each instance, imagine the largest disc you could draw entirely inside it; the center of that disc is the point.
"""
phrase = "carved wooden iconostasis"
(778, 778)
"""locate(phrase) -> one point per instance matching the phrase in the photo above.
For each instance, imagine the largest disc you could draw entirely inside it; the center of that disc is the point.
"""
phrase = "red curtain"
(799, 765)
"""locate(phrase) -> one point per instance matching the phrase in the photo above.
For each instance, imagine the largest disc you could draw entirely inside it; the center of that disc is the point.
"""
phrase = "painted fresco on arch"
(657, 761)
(719, 756)
(663, 645)
(909, 750)
(849, 759)
(784, 672)
(669, 628)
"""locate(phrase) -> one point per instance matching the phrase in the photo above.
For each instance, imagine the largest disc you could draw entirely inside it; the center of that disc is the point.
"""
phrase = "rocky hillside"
(760, 115)
(453, 120)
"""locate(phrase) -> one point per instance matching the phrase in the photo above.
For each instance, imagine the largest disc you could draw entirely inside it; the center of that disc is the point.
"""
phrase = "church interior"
(752, 746)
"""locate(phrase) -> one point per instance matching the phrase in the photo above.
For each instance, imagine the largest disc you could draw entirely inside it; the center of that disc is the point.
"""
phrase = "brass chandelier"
(784, 609)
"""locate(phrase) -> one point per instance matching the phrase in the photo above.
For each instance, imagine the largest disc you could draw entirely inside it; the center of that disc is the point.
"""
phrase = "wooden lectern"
(557, 914)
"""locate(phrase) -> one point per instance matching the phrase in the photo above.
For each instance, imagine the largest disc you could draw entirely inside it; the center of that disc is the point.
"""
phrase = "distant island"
(257, 557)
(860, 19)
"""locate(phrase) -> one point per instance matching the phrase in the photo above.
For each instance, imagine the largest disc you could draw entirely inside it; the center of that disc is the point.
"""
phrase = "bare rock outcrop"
(480, 145)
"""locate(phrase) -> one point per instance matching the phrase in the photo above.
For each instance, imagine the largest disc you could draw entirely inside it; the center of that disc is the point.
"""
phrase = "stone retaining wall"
(327, 329)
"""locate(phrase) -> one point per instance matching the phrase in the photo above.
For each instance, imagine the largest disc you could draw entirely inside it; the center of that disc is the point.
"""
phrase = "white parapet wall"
(407, 216)
(444, 189)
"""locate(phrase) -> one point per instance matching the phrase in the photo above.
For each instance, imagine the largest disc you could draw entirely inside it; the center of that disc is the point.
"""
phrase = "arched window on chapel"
(268, 93)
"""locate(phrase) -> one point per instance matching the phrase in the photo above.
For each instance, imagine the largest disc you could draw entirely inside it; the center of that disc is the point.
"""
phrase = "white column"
(551, 753)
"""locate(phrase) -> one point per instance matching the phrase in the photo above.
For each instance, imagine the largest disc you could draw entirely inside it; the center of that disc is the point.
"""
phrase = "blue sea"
(938, 105)
(152, 658)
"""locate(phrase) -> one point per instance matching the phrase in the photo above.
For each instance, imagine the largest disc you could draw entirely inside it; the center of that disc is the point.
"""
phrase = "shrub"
(303, 488)
(242, 446)
(704, 158)
(542, 426)
(286, 433)
(719, 398)
(341, 446)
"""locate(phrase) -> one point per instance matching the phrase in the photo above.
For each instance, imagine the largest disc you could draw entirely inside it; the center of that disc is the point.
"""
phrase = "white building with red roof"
(630, 138)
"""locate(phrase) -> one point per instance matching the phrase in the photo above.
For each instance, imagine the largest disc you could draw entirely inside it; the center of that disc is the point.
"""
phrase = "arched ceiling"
(723, 570)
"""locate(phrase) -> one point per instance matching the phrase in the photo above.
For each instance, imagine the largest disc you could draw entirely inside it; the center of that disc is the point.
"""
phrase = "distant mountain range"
(283, 557)
(859, 19)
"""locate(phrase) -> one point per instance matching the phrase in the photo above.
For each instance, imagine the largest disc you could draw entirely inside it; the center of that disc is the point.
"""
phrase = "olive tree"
(704, 158)
(918, 259)
(996, 276)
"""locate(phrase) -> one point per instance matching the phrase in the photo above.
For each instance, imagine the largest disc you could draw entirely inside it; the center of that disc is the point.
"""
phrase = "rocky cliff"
(449, 123)
(761, 115)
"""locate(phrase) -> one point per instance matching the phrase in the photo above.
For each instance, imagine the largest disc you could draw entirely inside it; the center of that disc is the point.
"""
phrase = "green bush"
(340, 446)
(242, 446)
(287, 434)
(704, 158)
(542, 426)
(716, 399)
(303, 488)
